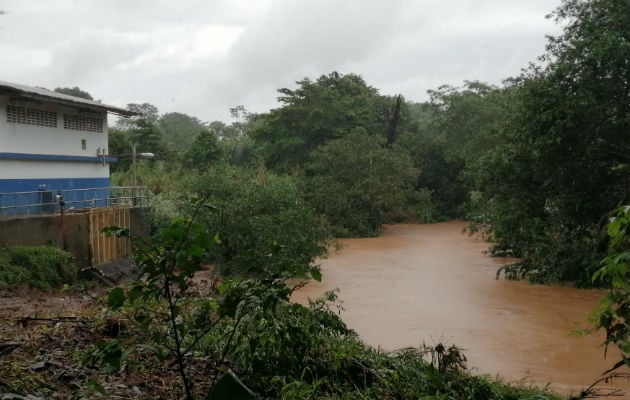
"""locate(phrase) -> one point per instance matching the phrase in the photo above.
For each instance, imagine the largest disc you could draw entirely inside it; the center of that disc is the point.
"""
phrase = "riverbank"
(428, 283)
(46, 338)
(415, 285)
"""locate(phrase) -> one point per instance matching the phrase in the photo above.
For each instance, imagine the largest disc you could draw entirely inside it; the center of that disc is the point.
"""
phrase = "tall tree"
(315, 113)
(203, 150)
(392, 118)
(355, 180)
(179, 130)
(466, 118)
(144, 131)
(448, 134)
(565, 166)
(145, 135)
(147, 111)
(74, 91)
(120, 147)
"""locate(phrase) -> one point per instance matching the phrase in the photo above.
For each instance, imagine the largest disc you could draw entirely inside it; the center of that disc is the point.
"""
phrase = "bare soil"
(43, 338)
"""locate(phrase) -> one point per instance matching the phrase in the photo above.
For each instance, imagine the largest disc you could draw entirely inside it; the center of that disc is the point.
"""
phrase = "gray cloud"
(202, 57)
(313, 35)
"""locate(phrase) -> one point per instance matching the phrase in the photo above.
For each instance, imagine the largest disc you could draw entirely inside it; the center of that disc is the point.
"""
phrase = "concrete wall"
(71, 234)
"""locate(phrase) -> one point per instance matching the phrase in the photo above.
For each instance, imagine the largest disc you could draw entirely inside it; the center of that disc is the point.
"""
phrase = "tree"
(448, 134)
(392, 119)
(548, 188)
(145, 135)
(142, 131)
(147, 111)
(315, 113)
(203, 150)
(466, 118)
(179, 130)
(74, 91)
(613, 313)
(119, 145)
(241, 115)
(223, 131)
(236, 142)
(264, 226)
(356, 179)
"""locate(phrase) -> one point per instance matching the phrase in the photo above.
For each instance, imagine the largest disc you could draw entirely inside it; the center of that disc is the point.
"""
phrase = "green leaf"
(96, 386)
(112, 355)
(230, 387)
(116, 298)
(211, 208)
(135, 293)
(316, 274)
(614, 227)
(116, 231)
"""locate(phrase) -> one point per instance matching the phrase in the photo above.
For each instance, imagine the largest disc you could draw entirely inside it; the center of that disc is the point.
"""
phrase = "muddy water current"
(431, 283)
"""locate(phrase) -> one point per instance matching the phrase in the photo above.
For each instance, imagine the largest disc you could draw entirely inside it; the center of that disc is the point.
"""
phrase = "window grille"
(31, 116)
(81, 123)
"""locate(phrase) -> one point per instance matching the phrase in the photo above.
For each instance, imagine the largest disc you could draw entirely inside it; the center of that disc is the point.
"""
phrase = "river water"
(432, 283)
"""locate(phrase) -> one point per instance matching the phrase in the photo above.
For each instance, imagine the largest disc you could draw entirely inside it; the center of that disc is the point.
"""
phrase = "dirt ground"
(44, 336)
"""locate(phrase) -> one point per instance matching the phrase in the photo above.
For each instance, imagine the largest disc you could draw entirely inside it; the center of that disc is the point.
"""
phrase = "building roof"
(35, 93)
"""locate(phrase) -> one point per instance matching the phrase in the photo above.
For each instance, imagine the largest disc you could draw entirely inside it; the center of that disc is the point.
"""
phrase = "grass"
(42, 267)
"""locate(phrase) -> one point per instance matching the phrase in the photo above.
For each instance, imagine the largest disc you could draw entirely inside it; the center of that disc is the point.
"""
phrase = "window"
(83, 144)
(81, 123)
(31, 116)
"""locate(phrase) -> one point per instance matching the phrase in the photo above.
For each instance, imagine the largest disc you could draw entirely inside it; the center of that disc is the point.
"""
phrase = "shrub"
(356, 180)
(43, 267)
(263, 226)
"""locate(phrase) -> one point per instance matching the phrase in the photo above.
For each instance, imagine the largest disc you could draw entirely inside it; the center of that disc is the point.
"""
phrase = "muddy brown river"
(431, 283)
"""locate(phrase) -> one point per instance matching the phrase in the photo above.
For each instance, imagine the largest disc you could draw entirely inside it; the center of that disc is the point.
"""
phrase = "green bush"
(43, 267)
(356, 180)
(263, 226)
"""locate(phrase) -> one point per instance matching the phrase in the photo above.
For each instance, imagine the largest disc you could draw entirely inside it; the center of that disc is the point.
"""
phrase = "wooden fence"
(107, 248)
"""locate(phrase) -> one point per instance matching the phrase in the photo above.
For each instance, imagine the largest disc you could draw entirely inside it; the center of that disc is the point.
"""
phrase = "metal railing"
(72, 200)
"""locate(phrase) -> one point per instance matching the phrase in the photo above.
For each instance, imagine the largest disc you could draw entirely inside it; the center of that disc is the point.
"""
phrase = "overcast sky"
(202, 57)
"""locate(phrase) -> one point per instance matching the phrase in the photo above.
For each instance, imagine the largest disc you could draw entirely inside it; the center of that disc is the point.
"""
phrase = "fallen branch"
(77, 320)
(6, 348)
(593, 391)
(99, 275)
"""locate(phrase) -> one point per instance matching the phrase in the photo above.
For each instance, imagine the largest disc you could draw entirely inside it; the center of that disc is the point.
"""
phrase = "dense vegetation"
(562, 165)
(244, 339)
(538, 165)
(42, 267)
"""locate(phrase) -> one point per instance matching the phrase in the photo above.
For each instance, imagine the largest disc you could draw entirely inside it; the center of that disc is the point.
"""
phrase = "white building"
(50, 142)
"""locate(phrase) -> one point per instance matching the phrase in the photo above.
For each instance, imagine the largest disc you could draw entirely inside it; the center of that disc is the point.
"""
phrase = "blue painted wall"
(31, 185)
(42, 193)
(55, 157)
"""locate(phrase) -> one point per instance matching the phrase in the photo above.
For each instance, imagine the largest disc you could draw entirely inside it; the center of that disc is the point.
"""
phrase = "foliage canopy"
(562, 164)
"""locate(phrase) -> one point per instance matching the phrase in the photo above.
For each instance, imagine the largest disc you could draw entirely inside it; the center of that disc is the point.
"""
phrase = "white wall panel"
(32, 139)
(15, 169)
